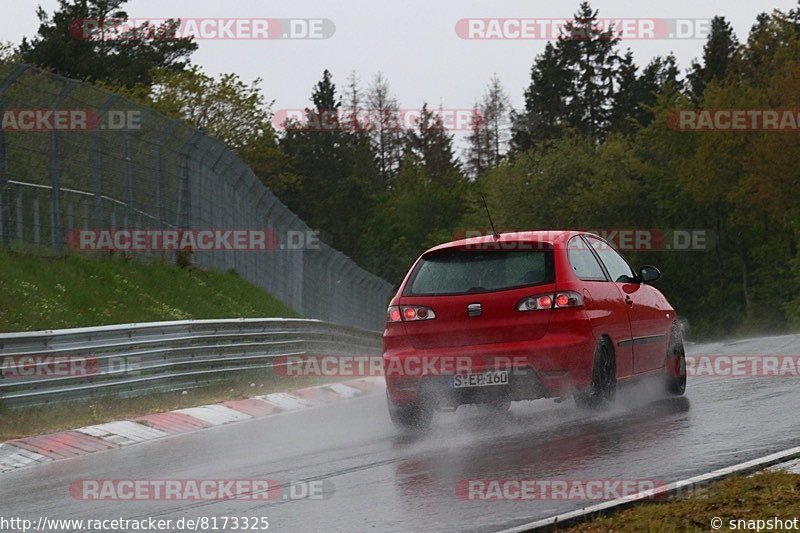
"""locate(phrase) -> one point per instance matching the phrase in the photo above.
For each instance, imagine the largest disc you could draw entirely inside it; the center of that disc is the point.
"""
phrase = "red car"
(521, 316)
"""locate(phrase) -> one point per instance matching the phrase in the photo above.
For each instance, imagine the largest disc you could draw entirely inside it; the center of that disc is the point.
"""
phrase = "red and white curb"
(30, 451)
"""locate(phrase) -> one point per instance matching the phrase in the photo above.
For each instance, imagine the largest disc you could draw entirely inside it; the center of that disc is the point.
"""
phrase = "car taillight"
(409, 313)
(393, 314)
(557, 300)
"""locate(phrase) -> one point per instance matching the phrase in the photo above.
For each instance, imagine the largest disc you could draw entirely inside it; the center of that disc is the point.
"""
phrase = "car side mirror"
(649, 273)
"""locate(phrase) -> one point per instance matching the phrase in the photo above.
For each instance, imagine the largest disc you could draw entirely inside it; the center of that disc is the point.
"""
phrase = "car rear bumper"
(557, 364)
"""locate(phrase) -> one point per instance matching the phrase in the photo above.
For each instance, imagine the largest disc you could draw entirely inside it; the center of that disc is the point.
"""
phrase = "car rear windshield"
(456, 271)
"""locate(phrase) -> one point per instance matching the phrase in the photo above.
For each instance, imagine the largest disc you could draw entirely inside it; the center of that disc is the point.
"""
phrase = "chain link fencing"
(130, 168)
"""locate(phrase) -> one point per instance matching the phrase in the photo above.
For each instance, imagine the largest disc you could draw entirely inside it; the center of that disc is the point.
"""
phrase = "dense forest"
(595, 145)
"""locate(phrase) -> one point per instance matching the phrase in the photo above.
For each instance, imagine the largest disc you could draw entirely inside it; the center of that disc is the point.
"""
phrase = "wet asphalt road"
(379, 480)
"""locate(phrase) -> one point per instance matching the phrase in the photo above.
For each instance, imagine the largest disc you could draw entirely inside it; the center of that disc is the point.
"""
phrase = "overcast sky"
(413, 42)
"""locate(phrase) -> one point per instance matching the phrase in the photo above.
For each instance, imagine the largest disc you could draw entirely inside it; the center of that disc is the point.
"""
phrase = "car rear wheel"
(603, 388)
(410, 417)
(676, 364)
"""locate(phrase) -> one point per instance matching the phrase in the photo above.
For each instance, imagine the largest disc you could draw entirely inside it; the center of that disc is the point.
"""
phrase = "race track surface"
(376, 479)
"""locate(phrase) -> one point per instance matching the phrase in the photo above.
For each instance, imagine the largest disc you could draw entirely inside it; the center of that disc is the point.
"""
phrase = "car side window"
(619, 269)
(583, 261)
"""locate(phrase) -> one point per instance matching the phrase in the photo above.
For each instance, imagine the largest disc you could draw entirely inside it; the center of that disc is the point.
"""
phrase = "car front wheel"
(676, 364)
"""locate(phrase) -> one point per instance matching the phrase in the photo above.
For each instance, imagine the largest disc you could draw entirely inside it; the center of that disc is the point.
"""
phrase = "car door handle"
(628, 300)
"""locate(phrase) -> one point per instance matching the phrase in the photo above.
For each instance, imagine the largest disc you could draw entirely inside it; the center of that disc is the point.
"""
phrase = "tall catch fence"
(128, 168)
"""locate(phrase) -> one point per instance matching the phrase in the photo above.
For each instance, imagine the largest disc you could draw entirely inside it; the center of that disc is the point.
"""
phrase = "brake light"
(558, 300)
(409, 313)
(568, 299)
(393, 314)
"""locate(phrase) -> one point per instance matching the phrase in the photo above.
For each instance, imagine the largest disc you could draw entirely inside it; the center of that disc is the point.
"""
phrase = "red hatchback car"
(522, 316)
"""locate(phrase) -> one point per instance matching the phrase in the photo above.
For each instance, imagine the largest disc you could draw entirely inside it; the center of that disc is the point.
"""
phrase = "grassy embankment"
(40, 292)
(763, 496)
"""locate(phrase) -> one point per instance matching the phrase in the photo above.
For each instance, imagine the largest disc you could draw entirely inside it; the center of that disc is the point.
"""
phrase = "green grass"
(764, 495)
(39, 292)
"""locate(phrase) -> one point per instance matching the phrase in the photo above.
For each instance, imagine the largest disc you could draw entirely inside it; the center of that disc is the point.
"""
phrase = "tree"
(433, 146)
(385, 127)
(572, 85)
(334, 165)
(479, 153)
(353, 105)
(543, 116)
(590, 59)
(314, 148)
(489, 124)
(718, 53)
(7, 52)
(75, 44)
(633, 100)
(226, 107)
(495, 108)
(626, 99)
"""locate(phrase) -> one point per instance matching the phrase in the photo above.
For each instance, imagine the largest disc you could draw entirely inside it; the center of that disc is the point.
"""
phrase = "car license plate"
(486, 379)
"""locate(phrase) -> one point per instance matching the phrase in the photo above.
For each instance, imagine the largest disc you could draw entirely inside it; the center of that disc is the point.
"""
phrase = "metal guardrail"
(137, 359)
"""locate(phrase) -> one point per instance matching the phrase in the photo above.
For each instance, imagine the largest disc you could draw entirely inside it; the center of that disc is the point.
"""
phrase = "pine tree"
(718, 53)
(353, 105)
(544, 113)
(626, 99)
(433, 145)
(384, 125)
(495, 108)
(479, 153)
(589, 56)
(126, 59)
(489, 133)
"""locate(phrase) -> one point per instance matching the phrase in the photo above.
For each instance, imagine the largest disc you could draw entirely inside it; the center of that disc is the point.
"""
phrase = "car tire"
(675, 365)
(410, 417)
(603, 388)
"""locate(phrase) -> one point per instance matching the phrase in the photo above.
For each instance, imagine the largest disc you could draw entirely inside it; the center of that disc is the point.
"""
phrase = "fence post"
(5, 200)
(57, 238)
(160, 188)
(128, 181)
(97, 164)
(185, 196)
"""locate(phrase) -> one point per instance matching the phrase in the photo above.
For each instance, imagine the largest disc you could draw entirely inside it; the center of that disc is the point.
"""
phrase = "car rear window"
(455, 271)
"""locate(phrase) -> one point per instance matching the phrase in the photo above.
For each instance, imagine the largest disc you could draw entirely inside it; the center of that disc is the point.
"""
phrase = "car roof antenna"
(494, 231)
